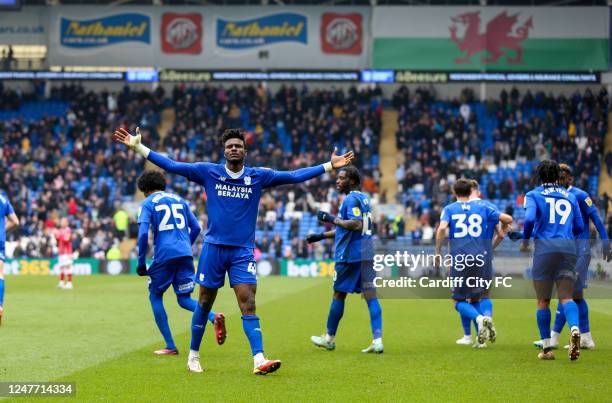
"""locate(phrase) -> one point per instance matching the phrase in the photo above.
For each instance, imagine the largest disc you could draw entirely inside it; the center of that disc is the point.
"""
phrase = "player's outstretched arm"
(278, 178)
(187, 170)
(143, 246)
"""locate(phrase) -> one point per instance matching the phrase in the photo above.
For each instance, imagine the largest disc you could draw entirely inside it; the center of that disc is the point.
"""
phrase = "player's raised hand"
(340, 161)
(123, 136)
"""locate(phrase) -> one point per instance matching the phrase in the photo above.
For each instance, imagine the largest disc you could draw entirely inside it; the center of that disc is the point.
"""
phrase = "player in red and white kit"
(64, 245)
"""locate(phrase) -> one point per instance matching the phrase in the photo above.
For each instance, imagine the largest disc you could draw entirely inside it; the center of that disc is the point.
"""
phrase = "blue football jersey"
(354, 246)
(233, 198)
(587, 207)
(5, 210)
(471, 226)
(170, 218)
(556, 212)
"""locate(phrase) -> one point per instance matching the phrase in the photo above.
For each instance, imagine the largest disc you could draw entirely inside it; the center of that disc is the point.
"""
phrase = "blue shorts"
(2, 251)
(582, 272)
(471, 288)
(354, 277)
(554, 266)
(179, 272)
(216, 260)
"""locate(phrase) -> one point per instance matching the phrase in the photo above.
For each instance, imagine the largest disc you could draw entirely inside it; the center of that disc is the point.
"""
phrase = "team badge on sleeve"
(588, 201)
(356, 211)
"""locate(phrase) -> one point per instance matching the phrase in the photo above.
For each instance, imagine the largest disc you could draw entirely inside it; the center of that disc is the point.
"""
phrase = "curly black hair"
(547, 172)
(232, 134)
(151, 181)
(352, 173)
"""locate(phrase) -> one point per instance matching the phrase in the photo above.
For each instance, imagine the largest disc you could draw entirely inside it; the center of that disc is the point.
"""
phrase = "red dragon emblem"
(497, 36)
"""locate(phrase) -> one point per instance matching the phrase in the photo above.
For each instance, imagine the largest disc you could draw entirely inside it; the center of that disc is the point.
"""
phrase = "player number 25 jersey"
(170, 219)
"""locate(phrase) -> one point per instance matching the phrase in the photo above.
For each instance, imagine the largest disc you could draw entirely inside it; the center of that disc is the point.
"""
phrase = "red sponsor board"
(181, 33)
(341, 33)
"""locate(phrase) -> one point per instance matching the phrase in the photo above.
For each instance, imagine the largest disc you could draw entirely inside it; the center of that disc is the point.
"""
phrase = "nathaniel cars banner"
(491, 38)
(199, 38)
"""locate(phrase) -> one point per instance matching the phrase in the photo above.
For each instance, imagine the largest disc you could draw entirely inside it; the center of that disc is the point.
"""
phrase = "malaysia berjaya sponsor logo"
(118, 28)
(274, 28)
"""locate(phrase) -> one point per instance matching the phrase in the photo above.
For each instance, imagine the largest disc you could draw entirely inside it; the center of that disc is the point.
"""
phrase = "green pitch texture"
(101, 336)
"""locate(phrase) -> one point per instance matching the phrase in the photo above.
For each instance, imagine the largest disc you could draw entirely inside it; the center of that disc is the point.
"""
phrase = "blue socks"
(467, 325)
(543, 317)
(583, 316)
(486, 307)
(186, 302)
(467, 310)
(336, 310)
(250, 324)
(559, 319)
(161, 318)
(375, 318)
(1, 291)
(198, 324)
(571, 313)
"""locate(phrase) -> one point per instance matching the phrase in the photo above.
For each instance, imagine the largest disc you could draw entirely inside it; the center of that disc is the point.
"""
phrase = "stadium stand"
(498, 142)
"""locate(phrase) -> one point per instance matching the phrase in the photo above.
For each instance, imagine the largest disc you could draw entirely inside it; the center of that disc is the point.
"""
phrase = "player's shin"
(486, 307)
(1, 290)
(161, 319)
(252, 330)
(571, 313)
(583, 316)
(543, 318)
(375, 318)
(559, 319)
(336, 311)
(198, 324)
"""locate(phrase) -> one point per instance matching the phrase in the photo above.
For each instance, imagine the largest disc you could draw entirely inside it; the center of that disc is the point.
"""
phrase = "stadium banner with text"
(26, 27)
(249, 37)
(102, 36)
(491, 38)
(45, 267)
(306, 268)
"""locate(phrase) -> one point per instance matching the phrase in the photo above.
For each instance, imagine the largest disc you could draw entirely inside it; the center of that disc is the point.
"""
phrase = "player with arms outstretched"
(6, 210)
(63, 236)
(589, 212)
(470, 223)
(233, 191)
(175, 229)
(354, 271)
(553, 219)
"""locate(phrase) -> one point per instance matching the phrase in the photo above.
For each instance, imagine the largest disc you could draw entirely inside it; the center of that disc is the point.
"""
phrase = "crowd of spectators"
(67, 166)
(496, 143)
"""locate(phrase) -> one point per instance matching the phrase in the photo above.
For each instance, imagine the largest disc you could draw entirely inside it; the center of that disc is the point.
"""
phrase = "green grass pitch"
(101, 336)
